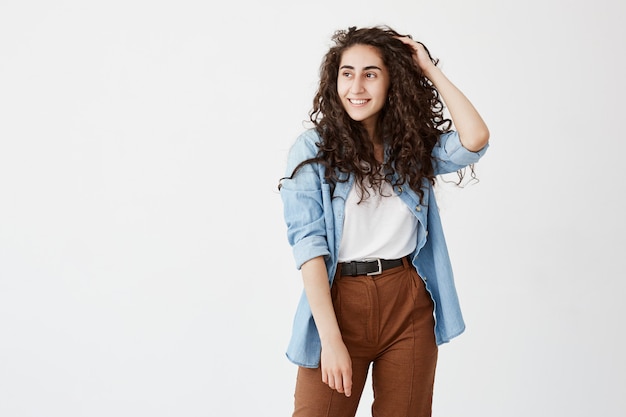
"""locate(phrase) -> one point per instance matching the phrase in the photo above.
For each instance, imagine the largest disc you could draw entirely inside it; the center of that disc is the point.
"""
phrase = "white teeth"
(358, 101)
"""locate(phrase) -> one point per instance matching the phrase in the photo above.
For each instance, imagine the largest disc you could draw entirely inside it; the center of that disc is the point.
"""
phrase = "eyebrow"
(369, 67)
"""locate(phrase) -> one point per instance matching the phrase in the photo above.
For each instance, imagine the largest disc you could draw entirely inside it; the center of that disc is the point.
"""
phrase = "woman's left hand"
(472, 130)
(421, 57)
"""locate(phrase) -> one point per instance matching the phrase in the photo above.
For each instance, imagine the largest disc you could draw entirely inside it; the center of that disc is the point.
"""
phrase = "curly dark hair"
(409, 124)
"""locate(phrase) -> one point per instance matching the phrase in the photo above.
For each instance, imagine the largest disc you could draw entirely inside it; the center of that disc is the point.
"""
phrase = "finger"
(425, 49)
(406, 40)
(339, 382)
(415, 46)
(347, 383)
(334, 382)
(330, 380)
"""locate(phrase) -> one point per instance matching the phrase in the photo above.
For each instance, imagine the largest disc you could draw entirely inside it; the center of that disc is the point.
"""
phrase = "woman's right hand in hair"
(337, 366)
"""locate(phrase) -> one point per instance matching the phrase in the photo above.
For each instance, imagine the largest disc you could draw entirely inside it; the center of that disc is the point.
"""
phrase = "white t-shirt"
(381, 226)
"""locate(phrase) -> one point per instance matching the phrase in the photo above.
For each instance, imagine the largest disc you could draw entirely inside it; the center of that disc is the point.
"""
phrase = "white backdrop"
(144, 269)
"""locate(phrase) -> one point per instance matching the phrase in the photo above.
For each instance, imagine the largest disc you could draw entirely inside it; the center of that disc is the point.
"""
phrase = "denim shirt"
(314, 221)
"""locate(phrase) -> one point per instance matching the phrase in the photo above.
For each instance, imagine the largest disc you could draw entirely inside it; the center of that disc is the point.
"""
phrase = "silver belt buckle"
(380, 269)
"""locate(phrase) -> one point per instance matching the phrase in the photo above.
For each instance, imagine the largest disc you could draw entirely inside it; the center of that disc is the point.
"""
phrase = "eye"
(346, 74)
(370, 75)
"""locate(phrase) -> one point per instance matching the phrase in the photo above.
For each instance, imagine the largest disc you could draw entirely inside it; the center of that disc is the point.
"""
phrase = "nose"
(357, 86)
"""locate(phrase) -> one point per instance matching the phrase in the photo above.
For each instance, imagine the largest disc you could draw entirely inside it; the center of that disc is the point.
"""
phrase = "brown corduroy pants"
(386, 321)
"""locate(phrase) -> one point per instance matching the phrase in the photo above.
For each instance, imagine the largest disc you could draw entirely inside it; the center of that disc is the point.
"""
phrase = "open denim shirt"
(314, 221)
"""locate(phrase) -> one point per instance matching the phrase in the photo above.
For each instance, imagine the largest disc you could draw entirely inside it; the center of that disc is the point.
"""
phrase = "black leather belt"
(375, 267)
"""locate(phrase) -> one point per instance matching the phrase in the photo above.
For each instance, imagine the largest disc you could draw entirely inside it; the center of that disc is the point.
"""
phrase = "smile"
(357, 102)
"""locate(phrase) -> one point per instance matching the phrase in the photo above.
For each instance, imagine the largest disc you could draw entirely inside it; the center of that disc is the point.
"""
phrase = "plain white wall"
(144, 268)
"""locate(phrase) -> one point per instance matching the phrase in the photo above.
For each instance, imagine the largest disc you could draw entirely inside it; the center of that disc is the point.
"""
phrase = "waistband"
(371, 267)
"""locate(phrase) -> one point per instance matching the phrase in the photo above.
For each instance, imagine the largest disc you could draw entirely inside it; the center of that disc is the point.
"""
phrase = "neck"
(379, 152)
(377, 143)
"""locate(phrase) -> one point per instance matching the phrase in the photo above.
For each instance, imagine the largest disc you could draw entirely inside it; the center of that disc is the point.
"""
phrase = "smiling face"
(362, 84)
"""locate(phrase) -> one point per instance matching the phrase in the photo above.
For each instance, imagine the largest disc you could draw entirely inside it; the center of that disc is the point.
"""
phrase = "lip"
(358, 101)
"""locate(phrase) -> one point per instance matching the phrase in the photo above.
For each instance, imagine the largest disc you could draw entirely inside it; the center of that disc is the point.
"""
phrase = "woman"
(364, 226)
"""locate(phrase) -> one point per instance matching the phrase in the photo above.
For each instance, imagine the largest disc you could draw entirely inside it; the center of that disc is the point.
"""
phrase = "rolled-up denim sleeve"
(449, 155)
(303, 205)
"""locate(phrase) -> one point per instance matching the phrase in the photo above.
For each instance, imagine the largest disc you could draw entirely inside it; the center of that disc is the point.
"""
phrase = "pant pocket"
(353, 303)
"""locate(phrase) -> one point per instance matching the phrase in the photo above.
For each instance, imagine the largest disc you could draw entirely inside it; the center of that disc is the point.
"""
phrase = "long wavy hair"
(409, 124)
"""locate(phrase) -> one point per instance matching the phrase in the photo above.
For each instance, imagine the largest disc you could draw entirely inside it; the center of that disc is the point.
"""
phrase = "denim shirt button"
(418, 208)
